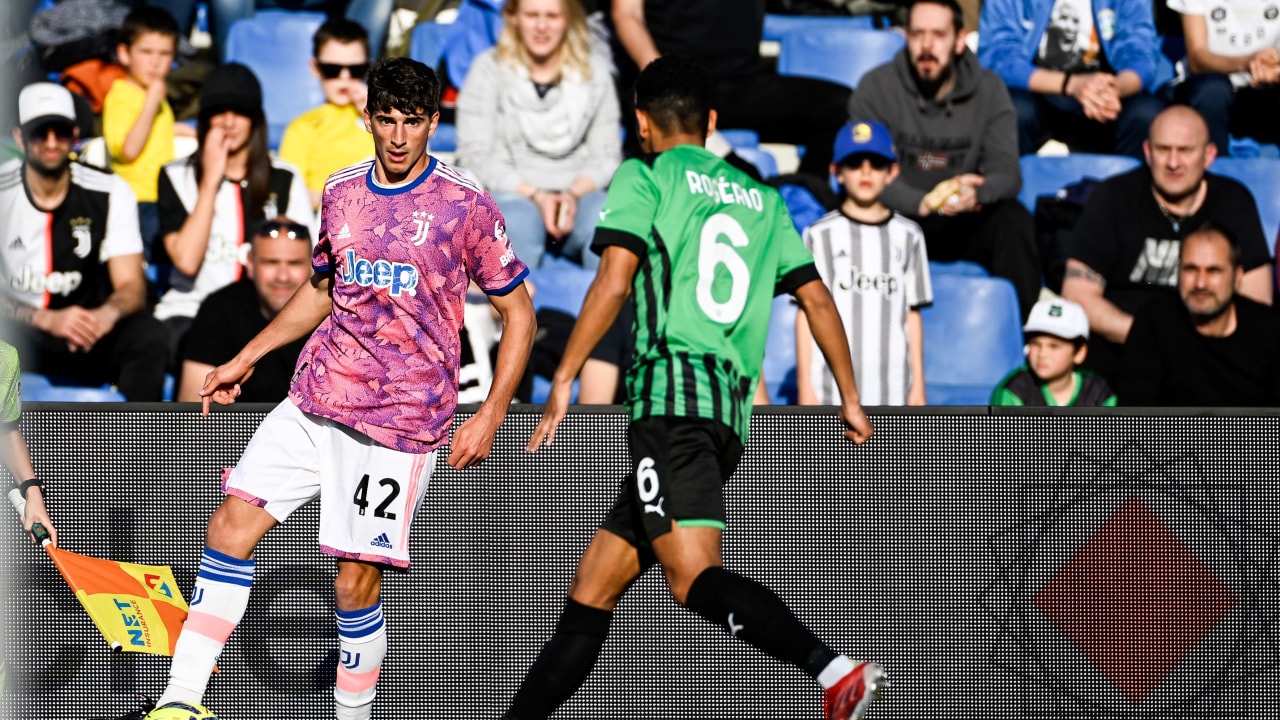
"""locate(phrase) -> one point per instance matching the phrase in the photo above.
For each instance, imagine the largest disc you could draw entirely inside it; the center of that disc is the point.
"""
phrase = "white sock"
(835, 671)
(362, 637)
(217, 604)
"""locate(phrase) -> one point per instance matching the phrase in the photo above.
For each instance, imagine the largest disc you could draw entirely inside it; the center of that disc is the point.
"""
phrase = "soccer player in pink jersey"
(375, 388)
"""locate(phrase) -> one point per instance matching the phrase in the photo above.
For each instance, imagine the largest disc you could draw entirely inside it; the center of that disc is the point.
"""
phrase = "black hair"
(957, 14)
(1215, 228)
(403, 84)
(258, 174)
(676, 93)
(339, 30)
(148, 19)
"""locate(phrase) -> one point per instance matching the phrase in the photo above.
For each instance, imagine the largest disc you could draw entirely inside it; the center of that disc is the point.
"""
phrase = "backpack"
(1056, 217)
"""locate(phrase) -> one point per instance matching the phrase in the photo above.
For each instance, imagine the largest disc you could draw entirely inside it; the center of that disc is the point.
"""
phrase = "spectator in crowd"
(14, 454)
(279, 262)
(723, 36)
(538, 124)
(373, 15)
(1234, 64)
(1079, 71)
(1214, 347)
(212, 202)
(953, 126)
(137, 121)
(1128, 237)
(1057, 335)
(72, 260)
(873, 261)
(332, 136)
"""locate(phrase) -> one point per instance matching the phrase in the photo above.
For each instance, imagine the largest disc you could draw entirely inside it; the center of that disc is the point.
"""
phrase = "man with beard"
(1214, 348)
(71, 280)
(954, 128)
(1079, 71)
(1128, 238)
(279, 262)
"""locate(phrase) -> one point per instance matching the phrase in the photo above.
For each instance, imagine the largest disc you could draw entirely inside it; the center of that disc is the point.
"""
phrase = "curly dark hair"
(676, 93)
(405, 85)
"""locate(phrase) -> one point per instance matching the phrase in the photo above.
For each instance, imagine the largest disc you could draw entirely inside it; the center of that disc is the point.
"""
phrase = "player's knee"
(357, 587)
(680, 579)
(236, 527)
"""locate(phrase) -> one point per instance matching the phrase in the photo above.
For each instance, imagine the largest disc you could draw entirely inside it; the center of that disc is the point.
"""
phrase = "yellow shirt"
(120, 110)
(324, 140)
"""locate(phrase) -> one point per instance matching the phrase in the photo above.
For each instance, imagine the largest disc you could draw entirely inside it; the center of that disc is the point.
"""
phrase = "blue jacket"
(1009, 35)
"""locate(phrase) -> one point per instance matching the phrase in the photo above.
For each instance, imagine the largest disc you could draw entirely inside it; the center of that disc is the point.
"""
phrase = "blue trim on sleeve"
(512, 286)
(385, 191)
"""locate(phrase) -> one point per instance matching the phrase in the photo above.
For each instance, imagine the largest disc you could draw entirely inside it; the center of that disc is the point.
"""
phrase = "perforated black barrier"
(1000, 566)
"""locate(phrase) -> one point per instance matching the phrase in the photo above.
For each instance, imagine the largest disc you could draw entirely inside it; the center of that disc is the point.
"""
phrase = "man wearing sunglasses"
(71, 280)
(279, 262)
(327, 138)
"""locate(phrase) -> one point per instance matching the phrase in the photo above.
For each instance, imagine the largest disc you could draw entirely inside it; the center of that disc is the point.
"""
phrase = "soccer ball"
(181, 711)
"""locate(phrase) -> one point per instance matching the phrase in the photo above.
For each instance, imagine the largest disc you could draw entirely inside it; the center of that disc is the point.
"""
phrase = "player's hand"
(222, 385)
(74, 324)
(857, 424)
(36, 512)
(473, 440)
(552, 413)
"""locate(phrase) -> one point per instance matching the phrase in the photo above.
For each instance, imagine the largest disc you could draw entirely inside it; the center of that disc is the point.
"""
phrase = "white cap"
(1060, 318)
(44, 101)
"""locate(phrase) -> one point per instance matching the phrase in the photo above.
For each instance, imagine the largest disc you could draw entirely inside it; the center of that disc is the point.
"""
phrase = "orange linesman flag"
(138, 608)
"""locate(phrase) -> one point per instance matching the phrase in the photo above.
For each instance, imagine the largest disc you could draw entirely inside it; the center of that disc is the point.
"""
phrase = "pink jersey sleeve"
(490, 260)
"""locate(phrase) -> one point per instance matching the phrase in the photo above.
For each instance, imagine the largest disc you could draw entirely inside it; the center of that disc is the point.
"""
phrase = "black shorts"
(679, 467)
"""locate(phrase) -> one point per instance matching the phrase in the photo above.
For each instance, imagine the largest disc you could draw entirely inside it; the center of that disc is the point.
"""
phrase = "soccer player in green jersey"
(704, 250)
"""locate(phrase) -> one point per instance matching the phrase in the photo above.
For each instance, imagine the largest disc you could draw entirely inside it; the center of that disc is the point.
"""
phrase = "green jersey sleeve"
(10, 395)
(629, 209)
(795, 261)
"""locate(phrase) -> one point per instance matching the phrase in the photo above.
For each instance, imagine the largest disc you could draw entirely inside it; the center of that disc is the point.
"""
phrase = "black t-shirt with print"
(1127, 238)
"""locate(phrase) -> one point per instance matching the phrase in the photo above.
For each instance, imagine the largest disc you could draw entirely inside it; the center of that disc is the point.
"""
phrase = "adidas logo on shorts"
(381, 541)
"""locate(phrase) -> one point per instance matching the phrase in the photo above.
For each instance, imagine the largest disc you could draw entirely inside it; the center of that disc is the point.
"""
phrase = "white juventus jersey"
(876, 273)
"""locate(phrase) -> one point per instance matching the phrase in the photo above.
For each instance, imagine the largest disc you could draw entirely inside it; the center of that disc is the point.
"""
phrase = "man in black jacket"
(956, 134)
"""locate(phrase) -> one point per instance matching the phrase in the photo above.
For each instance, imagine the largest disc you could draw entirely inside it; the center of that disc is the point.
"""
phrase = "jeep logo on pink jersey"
(398, 277)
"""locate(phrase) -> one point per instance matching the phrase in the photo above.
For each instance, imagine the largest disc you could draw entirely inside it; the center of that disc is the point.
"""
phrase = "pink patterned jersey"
(385, 362)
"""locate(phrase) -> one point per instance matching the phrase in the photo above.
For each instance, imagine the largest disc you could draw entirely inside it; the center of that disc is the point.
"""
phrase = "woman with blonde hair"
(538, 123)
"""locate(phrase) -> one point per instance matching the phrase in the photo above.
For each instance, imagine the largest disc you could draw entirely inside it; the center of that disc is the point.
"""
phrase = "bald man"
(1130, 235)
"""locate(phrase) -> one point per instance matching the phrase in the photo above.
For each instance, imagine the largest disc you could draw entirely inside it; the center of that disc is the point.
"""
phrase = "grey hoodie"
(974, 129)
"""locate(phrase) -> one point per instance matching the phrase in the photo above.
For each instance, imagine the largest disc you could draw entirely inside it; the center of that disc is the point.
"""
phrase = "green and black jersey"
(714, 248)
(10, 396)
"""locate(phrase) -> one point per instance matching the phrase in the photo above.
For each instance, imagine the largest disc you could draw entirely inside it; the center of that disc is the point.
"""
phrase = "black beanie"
(231, 87)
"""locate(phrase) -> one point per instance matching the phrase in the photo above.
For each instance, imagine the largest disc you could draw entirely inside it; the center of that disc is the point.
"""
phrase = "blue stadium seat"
(802, 205)
(426, 44)
(841, 55)
(446, 138)
(276, 45)
(763, 160)
(779, 368)
(972, 338)
(960, 267)
(1262, 176)
(740, 138)
(560, 284)
(1045, 175)
(775, 26)
(37, 388)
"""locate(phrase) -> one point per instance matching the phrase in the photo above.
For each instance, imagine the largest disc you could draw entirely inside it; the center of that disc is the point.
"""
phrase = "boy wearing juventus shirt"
(375, 387)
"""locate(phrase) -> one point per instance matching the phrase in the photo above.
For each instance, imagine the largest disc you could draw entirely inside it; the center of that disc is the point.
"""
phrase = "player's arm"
(828, 331)
(473, 440)
(915, 339)
(310, 305)
(1086, 286)
(605, 298)
(805, 394)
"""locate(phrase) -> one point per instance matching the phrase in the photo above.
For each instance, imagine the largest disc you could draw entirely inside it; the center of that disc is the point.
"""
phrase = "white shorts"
(368, 493)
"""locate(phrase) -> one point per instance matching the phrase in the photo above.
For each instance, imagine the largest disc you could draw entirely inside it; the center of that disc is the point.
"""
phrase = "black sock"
(564, 662)
(753, 613)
